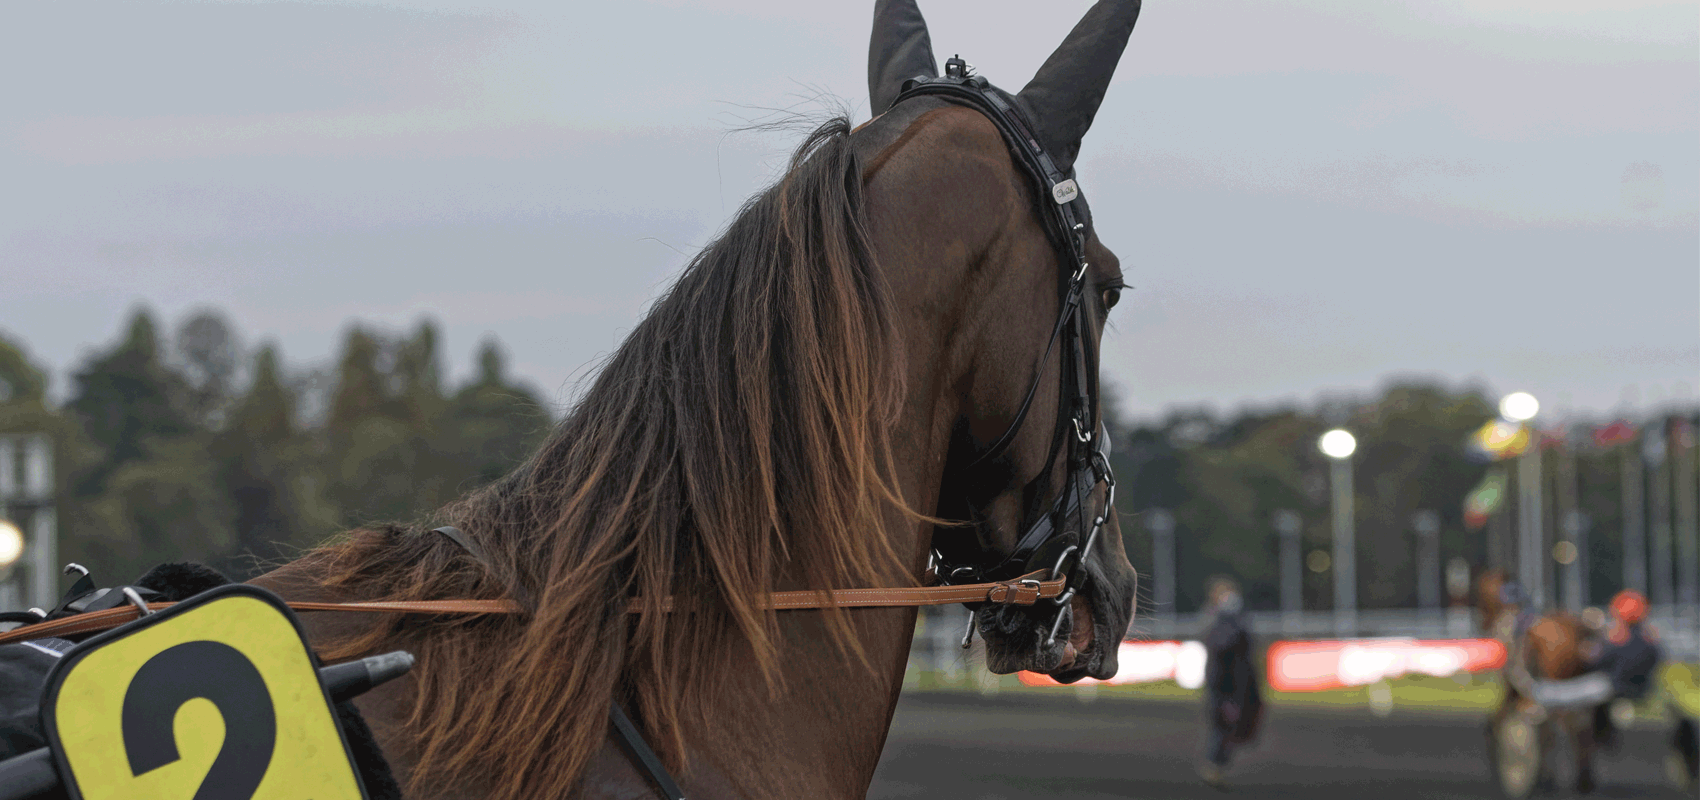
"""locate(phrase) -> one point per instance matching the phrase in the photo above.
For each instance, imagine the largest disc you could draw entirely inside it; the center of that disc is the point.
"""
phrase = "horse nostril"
(1008, 621)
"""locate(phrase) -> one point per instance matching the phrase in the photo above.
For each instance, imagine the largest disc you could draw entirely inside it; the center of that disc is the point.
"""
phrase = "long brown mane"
(734, 444)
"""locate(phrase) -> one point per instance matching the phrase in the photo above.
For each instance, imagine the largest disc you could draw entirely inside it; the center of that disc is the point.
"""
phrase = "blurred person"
(1233, 704)
(1516, 615)
(1629, 654)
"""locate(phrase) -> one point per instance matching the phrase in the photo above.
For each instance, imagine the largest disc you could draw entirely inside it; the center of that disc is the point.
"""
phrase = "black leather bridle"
(1049, 542)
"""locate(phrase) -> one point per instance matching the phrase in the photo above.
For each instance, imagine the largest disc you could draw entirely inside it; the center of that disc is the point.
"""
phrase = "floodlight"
(1519, 407)
(1338, 443)
(11, 543)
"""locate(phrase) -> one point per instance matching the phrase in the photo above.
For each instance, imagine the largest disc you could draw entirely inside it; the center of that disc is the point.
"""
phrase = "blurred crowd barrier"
(1302, 650)
(1679, 632)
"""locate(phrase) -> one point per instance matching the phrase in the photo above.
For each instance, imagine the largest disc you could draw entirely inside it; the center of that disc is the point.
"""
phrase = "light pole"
(1458, 615)
(1288, 525)
(1162, 526)
(1634, 521)
(1661, 589)
(1576, 569)
(1687, 523)
(1338, 445)
(27, 496)
(1521, 407)
(1573, 523)
(1427, 524)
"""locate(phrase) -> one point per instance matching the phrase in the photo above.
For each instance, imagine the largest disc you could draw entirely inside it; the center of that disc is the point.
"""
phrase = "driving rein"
(1045, 558)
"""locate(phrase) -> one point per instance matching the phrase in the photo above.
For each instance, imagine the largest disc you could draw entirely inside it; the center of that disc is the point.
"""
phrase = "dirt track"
(1026, 747)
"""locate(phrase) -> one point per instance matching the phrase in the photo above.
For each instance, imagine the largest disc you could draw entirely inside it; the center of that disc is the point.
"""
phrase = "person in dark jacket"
(1630, 655)
(1233, 704)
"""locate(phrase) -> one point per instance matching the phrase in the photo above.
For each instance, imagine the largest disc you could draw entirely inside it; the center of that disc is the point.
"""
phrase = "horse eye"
(1111, 296)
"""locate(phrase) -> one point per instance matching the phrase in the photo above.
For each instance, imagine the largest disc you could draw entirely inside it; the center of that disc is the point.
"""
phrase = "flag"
(1485, 499)
(1614, 434)
(1498, 440)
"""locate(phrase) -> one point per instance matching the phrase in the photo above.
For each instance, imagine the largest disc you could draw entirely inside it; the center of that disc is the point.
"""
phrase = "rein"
(1023, 591)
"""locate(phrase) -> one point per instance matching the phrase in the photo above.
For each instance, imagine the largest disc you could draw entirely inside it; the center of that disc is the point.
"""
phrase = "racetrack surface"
(961, 746)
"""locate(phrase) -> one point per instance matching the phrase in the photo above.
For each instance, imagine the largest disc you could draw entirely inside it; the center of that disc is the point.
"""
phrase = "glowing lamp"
(1338, 443)
(11, 543)
(1519, 406)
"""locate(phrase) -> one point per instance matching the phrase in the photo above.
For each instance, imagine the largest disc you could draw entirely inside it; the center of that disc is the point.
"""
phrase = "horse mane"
(735, 443)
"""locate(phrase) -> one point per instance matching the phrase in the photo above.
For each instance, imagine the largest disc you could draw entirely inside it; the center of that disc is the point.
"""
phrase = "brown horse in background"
(1549, 648)
(807, 407)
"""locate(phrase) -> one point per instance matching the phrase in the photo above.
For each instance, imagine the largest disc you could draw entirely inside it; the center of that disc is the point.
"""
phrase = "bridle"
(1048, 542)
(1045, 559)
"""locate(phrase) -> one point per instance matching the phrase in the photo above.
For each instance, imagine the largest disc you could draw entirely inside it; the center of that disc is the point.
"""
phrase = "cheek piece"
(1060, 539)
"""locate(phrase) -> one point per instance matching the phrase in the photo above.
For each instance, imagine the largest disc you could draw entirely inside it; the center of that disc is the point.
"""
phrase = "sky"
(1312, 198)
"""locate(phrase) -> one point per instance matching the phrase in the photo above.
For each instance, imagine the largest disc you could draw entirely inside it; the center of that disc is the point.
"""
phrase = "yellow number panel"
(214, 698)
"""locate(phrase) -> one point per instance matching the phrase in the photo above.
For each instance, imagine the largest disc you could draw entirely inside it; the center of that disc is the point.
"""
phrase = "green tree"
(170, 504)
(360, 389)
(265, 466)
(495, 423)
(208, 353)
(21, 381)
(388, 456)
(145, 488)
(1223, 481)
(1411, 456)
(126, 397)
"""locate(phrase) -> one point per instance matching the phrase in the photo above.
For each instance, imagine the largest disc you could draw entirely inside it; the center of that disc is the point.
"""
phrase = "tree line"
(187, 445)
(1224, 477)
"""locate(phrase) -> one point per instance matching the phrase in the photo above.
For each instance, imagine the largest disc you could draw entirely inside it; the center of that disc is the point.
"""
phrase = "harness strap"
(632, 740)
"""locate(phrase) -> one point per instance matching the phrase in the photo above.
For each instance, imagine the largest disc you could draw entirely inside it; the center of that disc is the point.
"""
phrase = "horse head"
(963, 224)
(888, 356)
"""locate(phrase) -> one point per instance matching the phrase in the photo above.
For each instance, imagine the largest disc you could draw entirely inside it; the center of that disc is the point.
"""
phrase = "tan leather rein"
(1023, 591)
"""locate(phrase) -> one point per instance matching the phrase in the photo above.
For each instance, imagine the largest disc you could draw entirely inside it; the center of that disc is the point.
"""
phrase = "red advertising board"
(1305, 666)
(1335, 664)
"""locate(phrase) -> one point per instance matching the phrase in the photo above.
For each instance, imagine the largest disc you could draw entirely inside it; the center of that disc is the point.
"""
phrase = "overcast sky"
(1311, 196)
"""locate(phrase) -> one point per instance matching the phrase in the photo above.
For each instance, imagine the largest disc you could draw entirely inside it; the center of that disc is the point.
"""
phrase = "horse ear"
(899, 50)
(1064, 96)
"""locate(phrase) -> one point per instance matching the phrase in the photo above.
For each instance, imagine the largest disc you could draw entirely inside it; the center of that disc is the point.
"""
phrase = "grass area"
(1475, 694)
(1681, 682)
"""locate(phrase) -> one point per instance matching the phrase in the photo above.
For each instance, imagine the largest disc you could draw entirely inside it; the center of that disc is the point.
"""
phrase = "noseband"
(1050, 542)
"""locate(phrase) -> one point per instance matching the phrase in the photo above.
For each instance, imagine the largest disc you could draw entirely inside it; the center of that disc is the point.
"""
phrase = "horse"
(831, 395)
(1545, 647)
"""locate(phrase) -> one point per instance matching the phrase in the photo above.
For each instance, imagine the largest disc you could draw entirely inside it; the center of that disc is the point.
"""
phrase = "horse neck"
(833, 709)
(821, 732)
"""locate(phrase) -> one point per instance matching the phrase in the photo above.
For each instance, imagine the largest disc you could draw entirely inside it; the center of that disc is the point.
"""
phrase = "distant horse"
(831, 394)
(1545, 647)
